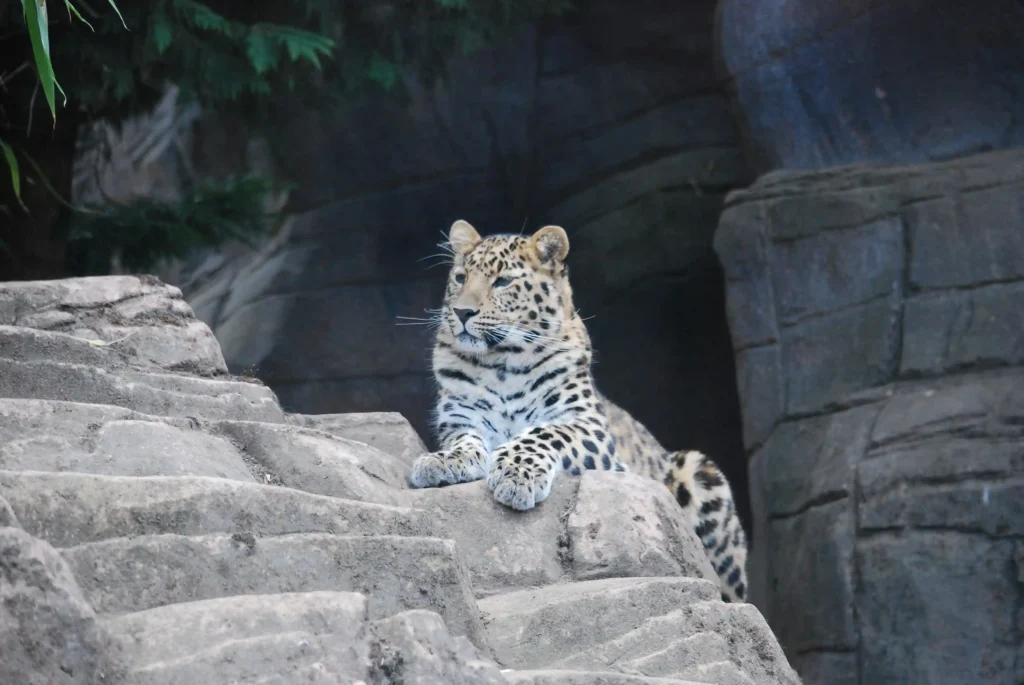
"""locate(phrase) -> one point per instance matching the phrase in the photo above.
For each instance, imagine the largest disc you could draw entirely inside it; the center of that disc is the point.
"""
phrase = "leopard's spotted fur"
(517, 401)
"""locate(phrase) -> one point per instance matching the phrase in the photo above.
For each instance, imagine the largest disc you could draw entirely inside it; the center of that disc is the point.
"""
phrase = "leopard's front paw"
(444, 468)
(518, 485)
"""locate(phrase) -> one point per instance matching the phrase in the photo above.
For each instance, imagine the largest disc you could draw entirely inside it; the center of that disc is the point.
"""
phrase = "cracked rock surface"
(162, 522)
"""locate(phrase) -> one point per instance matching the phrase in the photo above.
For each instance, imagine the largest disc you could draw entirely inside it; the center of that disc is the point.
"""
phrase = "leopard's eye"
(460, 278)
(501, 281)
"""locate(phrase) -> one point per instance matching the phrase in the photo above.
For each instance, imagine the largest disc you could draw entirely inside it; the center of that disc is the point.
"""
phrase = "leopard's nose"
(466, 314)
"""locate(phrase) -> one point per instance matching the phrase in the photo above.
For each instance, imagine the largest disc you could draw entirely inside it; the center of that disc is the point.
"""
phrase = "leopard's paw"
(444, 468)
(519, 485)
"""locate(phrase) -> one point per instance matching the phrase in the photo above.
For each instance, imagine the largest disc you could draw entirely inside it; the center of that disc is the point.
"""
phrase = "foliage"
(210, 215)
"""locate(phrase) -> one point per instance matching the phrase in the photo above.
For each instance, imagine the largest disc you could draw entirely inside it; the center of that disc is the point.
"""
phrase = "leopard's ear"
(550, 244)
(463, 237)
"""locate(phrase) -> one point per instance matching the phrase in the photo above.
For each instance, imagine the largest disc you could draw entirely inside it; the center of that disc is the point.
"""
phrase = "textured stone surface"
(48, 632)
(893, 468)
(388, 432)
(818, 84)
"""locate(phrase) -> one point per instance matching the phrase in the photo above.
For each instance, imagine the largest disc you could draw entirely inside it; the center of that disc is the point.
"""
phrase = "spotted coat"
(517, 401)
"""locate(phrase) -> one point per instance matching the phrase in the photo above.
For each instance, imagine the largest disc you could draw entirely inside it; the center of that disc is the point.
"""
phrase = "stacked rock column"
(877, 317)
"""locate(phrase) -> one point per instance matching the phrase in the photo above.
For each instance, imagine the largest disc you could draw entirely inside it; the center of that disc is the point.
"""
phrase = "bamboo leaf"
(74, 10)
(12, 164)
(39, 35)
(114, 5)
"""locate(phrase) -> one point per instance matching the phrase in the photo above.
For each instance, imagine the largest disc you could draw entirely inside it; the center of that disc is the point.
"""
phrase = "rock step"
(532, 629)
(244, 638)
(69, 509)
(549, 677)
(723, 643)
(144, 324)
(44, 435)
(47, 435)
(159, 394)
(390, 432)
(396, 573)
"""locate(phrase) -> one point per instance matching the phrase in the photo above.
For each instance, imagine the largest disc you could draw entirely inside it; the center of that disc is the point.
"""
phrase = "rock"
(549, 677)
(175, 530)
(790, 60)
(319, 462)
(415, 648)
(69, 509)
(571, 535)
(646, 536)
(907, 591)
(39, 435)
(901, 410)
(246, 637)
(588, 613)
(124, 574)
(503, 548)
(388, 432)
(48, 632)
(128, 321)
(149, 393)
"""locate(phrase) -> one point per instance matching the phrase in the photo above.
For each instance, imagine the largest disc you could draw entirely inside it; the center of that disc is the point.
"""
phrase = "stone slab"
(396, 573)
(69, 509)
(389, 432)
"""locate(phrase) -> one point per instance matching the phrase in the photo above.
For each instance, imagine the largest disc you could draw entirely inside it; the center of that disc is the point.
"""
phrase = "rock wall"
(878, 319)
(611, 123)
(163, 523)
(818, 83)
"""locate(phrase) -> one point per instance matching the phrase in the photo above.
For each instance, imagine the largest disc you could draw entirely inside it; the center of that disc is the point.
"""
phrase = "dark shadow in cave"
(664, 353)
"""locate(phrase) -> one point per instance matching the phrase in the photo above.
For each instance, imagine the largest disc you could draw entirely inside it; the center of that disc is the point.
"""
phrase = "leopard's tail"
(705, 496)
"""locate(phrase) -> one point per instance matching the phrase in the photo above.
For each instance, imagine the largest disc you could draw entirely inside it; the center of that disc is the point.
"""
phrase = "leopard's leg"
(524, 468)
(464, 459)
(704, 493)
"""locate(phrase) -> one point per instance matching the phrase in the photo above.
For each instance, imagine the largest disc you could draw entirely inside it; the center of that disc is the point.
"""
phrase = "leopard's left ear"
(551, 245)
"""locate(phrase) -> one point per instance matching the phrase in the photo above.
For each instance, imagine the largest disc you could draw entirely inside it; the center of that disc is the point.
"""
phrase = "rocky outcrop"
(876, 314)
(818, 84)
(170, 524)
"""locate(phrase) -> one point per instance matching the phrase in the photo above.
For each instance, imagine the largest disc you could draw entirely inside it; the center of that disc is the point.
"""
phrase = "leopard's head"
(507, 290)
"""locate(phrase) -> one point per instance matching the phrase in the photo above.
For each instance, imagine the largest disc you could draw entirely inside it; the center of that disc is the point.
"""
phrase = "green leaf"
(114, 5)
(74, 10)
(162, 33)
(39, 35)
(12, 164)
(201, 16)
(260, 49)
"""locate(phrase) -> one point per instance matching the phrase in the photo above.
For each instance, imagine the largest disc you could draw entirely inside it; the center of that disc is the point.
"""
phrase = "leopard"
(517, 402)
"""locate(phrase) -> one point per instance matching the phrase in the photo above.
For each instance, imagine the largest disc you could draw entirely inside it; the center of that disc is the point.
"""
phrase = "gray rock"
(502, 548)
(415, 648)
(48, 632)
(951, 588)
(814, 549)
(646, 535)
(69, 509)
(138, 322)
(559, 677)
(825, 359)
(704, 641)
(319, 462)
(538, 628)
(761, 391)
(974, 328)
(244, 638)
(389, 432)
(40, 435)
(134, 574)
(835, 269)
(150, 393)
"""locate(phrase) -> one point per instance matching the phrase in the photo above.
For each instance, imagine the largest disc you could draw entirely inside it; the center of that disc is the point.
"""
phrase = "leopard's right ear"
(463, 237)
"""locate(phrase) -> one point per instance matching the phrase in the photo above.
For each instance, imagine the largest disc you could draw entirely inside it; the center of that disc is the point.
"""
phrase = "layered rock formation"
(878, 319)
(166, 523)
